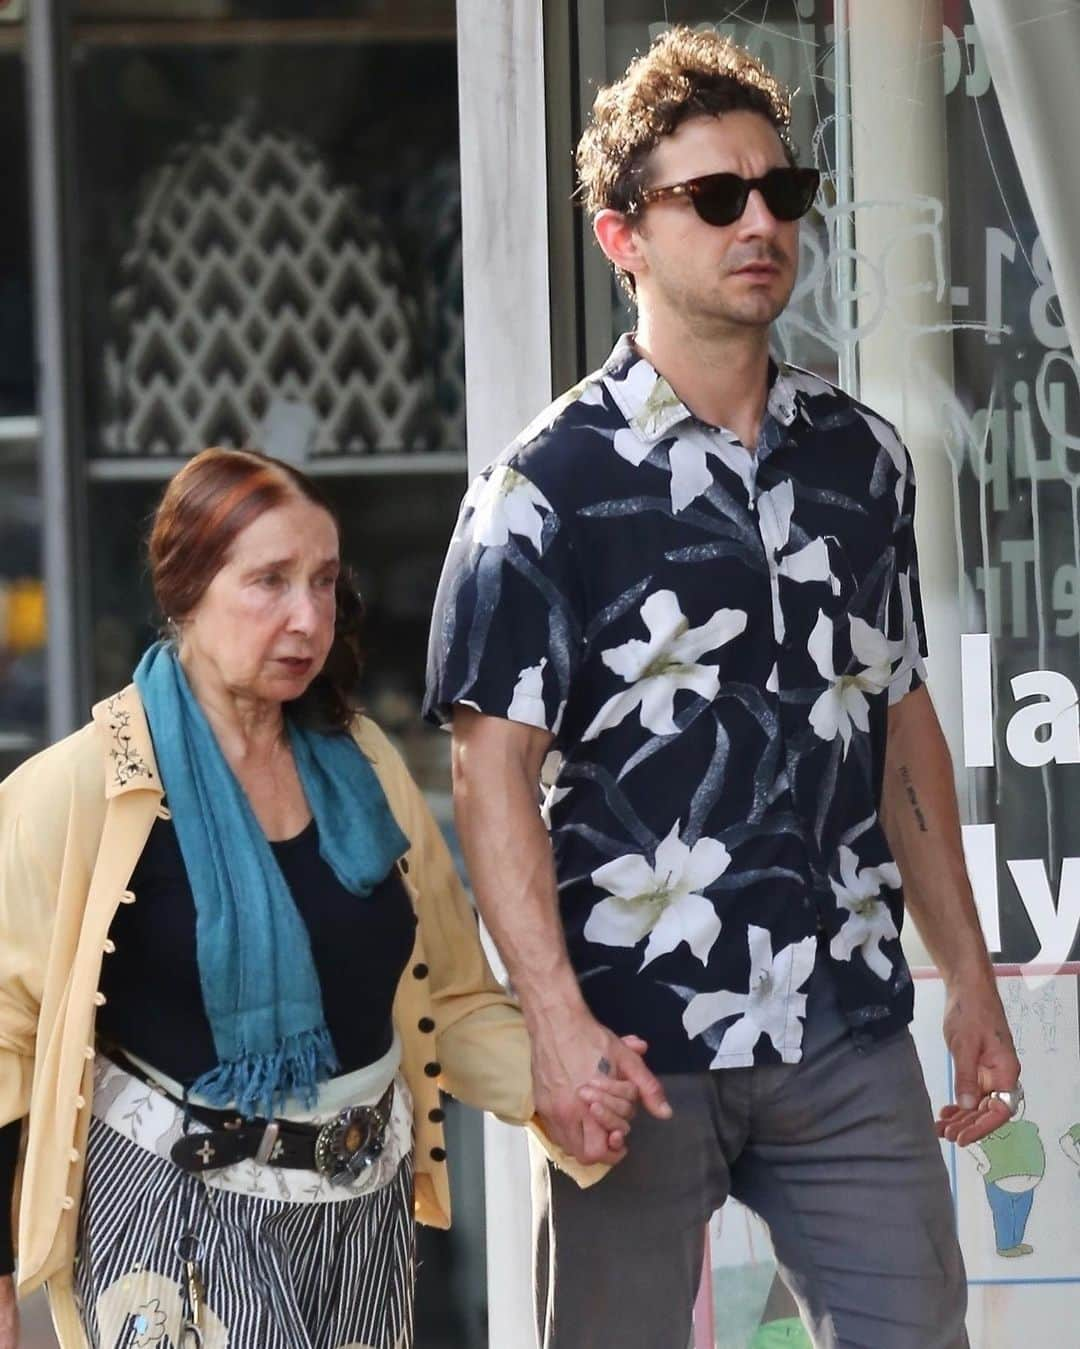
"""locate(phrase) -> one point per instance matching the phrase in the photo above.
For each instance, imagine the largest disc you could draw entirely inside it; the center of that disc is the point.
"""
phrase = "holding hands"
(587, 1083)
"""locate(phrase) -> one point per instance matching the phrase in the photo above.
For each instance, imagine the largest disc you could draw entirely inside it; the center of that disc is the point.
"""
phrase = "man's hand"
(585, 1081)
(984, 1060)
(9, 1314)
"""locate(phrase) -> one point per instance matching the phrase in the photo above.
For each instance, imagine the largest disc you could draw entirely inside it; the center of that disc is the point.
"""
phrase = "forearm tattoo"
(910, 793)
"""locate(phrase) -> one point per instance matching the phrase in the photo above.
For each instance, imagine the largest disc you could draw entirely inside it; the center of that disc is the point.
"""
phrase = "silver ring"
(1012, 1100)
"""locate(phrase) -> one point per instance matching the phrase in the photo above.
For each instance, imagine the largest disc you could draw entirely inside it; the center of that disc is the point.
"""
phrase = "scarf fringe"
(257, 1084)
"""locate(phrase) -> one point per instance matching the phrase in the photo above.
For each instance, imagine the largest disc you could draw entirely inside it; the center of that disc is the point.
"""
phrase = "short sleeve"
(506, 628)
(907, 626)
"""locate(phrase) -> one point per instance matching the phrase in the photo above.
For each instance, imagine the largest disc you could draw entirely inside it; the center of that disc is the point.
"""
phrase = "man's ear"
(618, 235)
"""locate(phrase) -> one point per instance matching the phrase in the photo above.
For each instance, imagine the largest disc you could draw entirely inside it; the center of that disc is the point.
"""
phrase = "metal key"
(189, 1249)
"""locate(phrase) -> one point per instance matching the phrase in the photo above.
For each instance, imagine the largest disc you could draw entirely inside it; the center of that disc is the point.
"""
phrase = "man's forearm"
(508, 854)
(922, 822)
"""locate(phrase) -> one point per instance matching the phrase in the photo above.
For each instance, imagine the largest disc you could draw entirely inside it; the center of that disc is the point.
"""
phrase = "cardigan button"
(67, 1202)
(99, 999)
(109, 946)
(80, 1102)
(88, 1052)
(127, 896)
(438, 1154)
(432, 1069)
(426, 1025)
(404, 864)
(73, 1155)
(437, 1115)
(420, 971)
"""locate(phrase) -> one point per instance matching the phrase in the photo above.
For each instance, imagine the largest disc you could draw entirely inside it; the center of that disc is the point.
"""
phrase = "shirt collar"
(129, 762)
(653, 409)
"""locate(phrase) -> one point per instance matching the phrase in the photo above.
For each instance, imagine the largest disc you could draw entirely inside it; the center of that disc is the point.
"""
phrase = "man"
(694, 577)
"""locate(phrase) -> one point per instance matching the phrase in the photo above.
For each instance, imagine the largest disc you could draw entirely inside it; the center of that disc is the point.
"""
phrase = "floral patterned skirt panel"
(268, 1273)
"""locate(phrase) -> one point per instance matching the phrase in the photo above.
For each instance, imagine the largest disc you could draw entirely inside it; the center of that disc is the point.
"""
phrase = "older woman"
(236, 965)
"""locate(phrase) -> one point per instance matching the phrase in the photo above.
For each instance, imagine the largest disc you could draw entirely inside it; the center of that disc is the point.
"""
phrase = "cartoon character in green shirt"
(1012, 1162)
(790, 1333)
(1070, 1145)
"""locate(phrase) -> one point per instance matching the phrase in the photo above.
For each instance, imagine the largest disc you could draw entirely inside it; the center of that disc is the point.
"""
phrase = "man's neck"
(721, 376)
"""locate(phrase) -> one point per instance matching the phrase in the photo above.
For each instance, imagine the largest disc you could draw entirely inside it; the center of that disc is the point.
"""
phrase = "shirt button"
(438, 1154)
(426, 1025)
(437, 1115)
(99, 999)
(420, 971)
(127, 897)
(109, 947)
(88, 1052)
(432, 1069)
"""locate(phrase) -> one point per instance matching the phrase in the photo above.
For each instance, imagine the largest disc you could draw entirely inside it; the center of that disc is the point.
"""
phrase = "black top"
(154, 1006)
(713, 638)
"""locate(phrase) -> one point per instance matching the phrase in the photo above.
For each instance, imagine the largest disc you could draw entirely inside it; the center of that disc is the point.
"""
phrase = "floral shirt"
(713, 639)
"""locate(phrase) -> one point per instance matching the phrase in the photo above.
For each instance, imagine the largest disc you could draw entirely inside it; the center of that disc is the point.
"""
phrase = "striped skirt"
(276, 1274)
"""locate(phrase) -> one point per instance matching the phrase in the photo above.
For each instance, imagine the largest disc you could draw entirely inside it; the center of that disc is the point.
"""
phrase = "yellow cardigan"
(73, 823)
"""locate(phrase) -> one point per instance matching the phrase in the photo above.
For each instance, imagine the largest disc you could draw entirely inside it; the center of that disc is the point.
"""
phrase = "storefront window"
(926, 290)
(22, 595)
(263, 214)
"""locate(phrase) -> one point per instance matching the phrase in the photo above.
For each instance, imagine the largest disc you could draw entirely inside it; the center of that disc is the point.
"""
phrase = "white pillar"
(507, 381)
(904, 302)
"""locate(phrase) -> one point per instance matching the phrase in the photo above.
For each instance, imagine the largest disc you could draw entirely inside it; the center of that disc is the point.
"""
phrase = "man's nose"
(757, 219)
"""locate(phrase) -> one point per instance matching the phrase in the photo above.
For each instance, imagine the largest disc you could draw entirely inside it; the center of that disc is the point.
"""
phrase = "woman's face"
(265, 625)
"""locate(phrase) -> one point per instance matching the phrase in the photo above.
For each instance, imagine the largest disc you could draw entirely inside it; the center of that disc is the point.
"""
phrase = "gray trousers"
(837, 1154)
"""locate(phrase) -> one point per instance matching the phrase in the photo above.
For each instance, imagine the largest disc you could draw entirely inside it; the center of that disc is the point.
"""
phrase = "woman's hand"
(613, 1101)
(9, 1314)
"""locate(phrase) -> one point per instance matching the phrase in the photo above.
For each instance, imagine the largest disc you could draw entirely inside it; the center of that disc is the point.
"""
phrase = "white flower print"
(810, 563)
(658, 668)
(772, 1006)
(527, 703)
(869, 921)
(662, 901)
(843, 704)
(507, 503)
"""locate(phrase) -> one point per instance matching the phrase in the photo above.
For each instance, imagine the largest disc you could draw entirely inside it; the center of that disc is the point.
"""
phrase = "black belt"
(342, 1148)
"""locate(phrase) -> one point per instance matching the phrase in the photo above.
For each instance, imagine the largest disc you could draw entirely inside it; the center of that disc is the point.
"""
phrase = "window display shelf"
(18, 438)
(19, 742)
(328, 466)
(261, 32)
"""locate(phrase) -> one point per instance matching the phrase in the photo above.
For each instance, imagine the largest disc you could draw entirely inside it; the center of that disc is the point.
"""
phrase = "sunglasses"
(720, 198)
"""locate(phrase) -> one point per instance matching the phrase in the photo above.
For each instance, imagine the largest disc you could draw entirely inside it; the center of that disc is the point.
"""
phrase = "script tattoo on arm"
(910, 793)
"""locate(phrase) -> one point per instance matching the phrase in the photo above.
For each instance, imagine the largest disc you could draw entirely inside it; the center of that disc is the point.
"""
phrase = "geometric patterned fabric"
(252, 277)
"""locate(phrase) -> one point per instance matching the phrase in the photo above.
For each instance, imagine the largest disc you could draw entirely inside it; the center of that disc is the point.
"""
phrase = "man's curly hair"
(684, 74)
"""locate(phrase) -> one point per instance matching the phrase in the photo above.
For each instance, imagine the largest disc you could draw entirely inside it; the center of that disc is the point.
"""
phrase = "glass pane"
(951, 310)
(22, 595)
(792, 38)
(268, 222)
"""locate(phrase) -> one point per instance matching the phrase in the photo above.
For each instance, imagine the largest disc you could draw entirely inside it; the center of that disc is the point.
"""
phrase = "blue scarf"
(259, 982)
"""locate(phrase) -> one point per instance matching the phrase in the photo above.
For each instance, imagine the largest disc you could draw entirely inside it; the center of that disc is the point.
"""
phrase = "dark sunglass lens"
(720, 198)
(789, 193)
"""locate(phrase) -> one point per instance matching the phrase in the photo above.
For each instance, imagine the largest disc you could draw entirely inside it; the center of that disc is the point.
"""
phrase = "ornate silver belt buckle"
(348, 1144)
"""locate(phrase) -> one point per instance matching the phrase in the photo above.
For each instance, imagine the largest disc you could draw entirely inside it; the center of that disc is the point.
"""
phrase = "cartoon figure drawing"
(790, 1333)
(1012, 1162)
(1046, 1008)
(1070, 1146)
(780, 1326)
